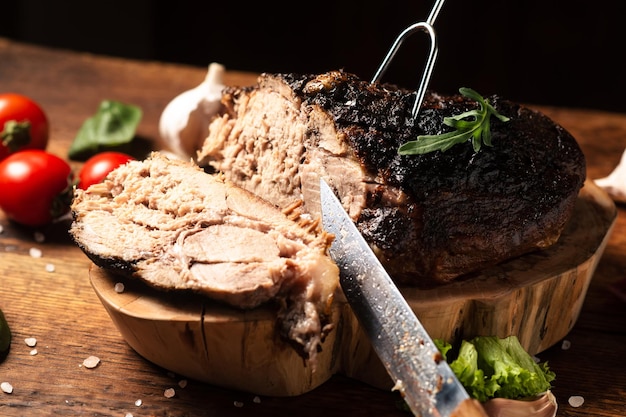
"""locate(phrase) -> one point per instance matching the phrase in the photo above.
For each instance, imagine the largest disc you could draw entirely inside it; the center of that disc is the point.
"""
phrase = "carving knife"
(426, 382)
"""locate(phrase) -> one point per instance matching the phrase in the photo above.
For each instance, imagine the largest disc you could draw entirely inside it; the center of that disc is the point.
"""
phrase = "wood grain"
(546, 287)
(63, 312)
(240, 350)
(209, 342)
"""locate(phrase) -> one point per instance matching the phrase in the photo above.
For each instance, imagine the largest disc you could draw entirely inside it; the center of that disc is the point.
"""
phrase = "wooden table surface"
(62, 312)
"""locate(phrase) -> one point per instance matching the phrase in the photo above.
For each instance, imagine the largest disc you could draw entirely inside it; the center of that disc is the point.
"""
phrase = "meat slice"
(176, 227)
(429, 218)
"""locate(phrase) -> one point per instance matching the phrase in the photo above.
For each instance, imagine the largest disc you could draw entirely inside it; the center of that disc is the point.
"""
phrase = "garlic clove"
(184, 122)
(615, 183)
(544, 405)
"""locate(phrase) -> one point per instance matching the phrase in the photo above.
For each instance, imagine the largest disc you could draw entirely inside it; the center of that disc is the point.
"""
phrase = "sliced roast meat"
(430, 218)
(172, 225)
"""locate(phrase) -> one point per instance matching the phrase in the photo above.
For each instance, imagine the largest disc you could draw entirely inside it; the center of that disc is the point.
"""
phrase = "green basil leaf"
(112, 126)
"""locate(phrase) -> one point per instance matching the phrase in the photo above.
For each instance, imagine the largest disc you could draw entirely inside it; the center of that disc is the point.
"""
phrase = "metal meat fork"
(427, 27)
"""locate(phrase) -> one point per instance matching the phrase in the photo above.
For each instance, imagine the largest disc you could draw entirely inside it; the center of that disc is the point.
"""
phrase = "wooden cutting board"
(537, 297)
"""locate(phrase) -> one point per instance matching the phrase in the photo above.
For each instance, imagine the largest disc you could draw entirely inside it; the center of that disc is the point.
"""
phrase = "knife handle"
(469, 408)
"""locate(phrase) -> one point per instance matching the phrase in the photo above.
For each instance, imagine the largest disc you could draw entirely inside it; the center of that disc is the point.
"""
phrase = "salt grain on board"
(119, 287)
(566, 344)
(169, 393)
(30, 341)
(576, 400)
(91, 362)
(6, 388)
(182, 383)
(39, 237)
(238, 404)
(138, 403)
(33, 352)
(50, 268)
(35, 253)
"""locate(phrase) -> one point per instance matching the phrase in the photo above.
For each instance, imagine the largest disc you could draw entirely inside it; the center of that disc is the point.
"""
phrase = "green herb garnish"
(474, 124)
(112, 126)
(490, 367)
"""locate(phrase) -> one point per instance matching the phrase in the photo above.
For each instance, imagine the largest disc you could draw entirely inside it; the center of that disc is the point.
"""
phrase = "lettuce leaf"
(489, 367)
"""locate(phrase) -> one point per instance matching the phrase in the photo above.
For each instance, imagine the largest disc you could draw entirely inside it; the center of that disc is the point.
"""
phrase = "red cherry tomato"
(23, 124)
(98, 166)
(36, 187)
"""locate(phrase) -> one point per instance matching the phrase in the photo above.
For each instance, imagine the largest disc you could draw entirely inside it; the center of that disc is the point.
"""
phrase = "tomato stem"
(15, 134)
(62, 202)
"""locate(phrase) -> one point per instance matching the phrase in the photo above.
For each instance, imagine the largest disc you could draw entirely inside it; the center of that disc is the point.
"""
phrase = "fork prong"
(427, 27)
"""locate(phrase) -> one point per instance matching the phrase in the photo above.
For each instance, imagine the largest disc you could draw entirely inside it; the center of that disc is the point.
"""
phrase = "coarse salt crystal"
(128, 415)
(138, 403)
(35, 253)
(30, 341)
(169, 393)
(182, 383)
(119, 287)
(1, 228)
(39, 237)
(256, 400)
(576, 400)
(566, 344)
(33, 352)
(50, 268)
(91, 362)
(6, 387)
(238, 404)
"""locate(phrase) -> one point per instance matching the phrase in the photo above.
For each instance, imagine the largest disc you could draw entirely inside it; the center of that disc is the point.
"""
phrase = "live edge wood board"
(537, 297)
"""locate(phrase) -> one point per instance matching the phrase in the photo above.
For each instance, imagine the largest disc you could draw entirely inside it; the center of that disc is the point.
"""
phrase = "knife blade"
(425, 380)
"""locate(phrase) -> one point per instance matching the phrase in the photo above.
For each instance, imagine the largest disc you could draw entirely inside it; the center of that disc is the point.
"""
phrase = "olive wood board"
(537, 297)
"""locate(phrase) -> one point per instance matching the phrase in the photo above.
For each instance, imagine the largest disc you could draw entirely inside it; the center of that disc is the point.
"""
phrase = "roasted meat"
(172, 225)
(430, 218)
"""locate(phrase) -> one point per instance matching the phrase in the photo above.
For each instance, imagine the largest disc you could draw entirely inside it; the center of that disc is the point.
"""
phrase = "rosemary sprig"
(473, 124)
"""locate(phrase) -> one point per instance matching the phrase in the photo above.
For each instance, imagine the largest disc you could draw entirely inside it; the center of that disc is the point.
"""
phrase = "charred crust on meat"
(113, 264)
(459, 210)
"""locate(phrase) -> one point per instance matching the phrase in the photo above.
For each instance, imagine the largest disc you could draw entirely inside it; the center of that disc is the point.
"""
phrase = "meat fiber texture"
(172, 225)
(429, 218)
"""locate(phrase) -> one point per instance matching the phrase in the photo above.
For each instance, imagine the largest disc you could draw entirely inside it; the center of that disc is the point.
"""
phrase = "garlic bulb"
(544, 405)
(184, 122)
(615, 183)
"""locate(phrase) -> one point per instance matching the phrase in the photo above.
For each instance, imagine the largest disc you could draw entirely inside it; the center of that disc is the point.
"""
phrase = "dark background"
(568, 53)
